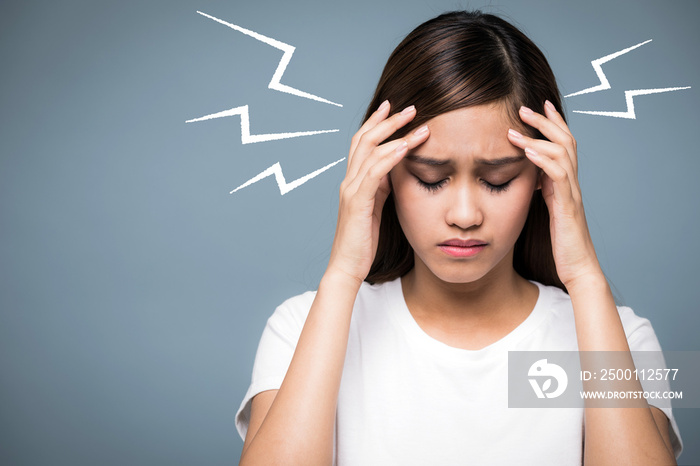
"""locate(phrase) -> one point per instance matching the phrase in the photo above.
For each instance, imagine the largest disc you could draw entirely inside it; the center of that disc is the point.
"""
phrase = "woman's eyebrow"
(501, 161)
(427, 160)
(491, 162)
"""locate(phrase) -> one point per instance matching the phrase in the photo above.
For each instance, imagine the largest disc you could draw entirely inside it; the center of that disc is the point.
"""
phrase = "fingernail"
(402, 148)
(525, 110)
(421, 131)
(384, 105)
(408, 110)
(531, 153)
(550, 105)
(515, 134)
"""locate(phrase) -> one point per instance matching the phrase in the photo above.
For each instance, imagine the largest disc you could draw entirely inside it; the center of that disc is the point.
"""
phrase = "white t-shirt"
(407, 398)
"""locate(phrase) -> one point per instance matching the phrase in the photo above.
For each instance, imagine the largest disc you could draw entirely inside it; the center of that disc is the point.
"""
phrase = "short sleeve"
(275, 350)
(641, 337)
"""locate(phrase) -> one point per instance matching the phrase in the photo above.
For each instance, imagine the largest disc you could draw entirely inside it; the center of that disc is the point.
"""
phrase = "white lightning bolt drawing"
(285, 187)
(247, 138)
(629, 95)
(243, 111)
(275, 84)
(288, 50)
(604, 84)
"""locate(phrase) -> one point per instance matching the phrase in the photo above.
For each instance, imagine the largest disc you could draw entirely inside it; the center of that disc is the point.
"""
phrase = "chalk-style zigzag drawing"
(597, 66)
(285, 187)
(247, 138)
(629, 96)
(288, 50)
(275, 84)
(244, 112)
(605, 85)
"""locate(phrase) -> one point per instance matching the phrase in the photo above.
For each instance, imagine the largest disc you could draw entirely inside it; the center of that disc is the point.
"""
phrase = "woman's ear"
(540, 174)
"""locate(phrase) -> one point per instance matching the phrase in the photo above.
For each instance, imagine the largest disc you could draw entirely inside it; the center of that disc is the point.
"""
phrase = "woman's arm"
(636, 436)
(298, 428)
(298, 425)
(613, 436)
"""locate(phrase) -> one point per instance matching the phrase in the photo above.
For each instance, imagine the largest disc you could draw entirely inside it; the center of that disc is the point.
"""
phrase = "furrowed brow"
(501, 161)
(490, 162)
(427, 160)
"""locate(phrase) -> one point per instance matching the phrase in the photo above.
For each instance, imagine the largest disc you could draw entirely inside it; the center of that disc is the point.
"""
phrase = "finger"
(380, 114)
(550, 111)
(551, 131)
(554, 152)
(374, 136)
(373, 187)
(386, 150)
(547, 127)
(561, 187)
(369, 184)
(548, 148)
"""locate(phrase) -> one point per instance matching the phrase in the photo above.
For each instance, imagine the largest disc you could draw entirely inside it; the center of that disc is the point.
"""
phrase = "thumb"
(382, 193)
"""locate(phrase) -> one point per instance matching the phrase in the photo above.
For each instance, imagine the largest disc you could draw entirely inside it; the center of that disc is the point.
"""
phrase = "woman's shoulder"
(638, 329)
(298, 306)
(294, 310)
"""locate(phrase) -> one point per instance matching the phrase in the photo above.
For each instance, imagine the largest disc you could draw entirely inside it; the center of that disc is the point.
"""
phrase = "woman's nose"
(464, 210)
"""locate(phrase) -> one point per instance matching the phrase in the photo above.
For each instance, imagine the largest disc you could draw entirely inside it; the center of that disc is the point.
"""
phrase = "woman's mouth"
(462, 248)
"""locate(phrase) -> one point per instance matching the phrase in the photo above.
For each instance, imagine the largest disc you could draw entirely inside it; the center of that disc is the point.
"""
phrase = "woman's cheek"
(518, 206)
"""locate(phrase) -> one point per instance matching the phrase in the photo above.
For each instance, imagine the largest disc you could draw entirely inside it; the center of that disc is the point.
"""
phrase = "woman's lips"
(462, 248)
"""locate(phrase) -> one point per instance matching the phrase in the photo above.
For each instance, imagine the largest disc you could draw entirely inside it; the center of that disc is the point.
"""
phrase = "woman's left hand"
(574, 254)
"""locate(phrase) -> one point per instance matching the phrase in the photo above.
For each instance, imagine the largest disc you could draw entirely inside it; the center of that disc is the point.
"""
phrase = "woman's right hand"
(366, 187)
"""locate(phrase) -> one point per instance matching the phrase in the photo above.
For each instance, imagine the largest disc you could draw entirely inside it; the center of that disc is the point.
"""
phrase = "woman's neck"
(469, 315)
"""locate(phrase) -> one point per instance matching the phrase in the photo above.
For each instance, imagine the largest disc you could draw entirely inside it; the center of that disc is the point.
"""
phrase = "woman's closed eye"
(433, 186)
(496, 187)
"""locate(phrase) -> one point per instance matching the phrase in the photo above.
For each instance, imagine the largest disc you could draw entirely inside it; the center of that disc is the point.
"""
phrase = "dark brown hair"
(456, 60)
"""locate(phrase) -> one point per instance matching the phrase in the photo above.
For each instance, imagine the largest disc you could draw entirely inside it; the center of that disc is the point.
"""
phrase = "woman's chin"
(466, 271)
(458, 273)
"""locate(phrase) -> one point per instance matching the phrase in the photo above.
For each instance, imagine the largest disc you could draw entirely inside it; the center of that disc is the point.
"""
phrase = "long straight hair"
(456, 60)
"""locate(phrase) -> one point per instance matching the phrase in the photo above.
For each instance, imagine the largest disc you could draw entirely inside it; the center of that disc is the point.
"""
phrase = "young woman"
(461, 235)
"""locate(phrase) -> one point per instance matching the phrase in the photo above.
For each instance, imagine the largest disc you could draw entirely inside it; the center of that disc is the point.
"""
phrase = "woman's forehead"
(472, 132)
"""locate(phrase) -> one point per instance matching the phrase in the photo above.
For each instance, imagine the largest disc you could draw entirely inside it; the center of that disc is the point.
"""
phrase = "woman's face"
(462, 197)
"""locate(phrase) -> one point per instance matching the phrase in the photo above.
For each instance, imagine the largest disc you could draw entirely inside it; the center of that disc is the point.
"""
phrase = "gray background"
(134, 287)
